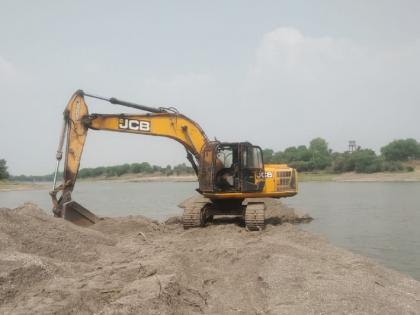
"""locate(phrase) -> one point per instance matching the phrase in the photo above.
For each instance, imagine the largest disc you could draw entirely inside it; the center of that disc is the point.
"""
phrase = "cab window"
(225, 156)
(252, 158)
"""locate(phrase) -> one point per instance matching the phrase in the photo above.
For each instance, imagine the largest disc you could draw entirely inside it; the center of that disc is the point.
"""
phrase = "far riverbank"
(302, 177)
(360, 177)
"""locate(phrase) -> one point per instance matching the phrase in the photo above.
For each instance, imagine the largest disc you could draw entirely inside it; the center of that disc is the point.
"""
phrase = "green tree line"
(315, 157)
(3, 170)
(116, 170)
(318, 156)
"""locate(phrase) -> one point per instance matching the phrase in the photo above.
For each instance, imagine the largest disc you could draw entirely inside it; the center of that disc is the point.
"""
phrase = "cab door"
(252, 168)
(206, 172)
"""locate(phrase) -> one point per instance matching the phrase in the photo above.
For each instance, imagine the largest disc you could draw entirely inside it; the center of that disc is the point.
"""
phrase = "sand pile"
(134, 265)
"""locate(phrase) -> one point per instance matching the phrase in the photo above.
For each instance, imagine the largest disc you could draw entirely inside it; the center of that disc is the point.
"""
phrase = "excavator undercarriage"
(200, 213)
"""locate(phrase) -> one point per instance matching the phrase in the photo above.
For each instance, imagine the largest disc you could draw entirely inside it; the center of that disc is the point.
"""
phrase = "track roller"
(194, 216)
(255, 216)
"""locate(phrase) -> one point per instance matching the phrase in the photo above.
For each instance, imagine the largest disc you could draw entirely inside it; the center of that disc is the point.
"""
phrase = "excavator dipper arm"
(77, 120)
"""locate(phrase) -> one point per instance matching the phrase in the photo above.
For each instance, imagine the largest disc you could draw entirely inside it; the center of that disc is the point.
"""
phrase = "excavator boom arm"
(77, 120)
(174, 126)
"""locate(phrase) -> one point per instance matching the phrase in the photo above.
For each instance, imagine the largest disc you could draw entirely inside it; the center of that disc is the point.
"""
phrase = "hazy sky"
(276, 73)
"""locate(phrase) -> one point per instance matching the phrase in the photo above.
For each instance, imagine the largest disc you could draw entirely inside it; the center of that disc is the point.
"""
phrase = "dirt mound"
(134, 265)
(28, 229)
(126, 225)
(278, 213)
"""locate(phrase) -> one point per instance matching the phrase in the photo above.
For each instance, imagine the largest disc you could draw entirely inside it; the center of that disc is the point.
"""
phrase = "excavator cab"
(231, 167)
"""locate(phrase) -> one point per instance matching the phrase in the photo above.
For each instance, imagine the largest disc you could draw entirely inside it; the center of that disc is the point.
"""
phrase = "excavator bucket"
(77, 214)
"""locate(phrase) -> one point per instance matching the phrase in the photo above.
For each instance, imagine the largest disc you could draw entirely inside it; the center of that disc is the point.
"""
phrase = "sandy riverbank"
(151, 178)
(361, 177)
(134, 265)
(380, 177)
(413, 176)
(16, 186)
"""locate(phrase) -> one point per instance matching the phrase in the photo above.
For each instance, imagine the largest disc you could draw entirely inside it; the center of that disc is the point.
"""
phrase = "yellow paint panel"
(175, 126)
(76, 137)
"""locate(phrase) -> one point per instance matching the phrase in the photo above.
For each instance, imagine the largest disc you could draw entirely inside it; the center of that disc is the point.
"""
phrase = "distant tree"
(156, 169)
(401, 150)
(3, 169)
(168, 170)
(319, 145)
(146, 167)
(303, 153)
(320, 153)
(291, 154)
(316, 157)
(99, 171)
(267, 155)
(122, 169)
(141, 168)
(303, 166)
(342, 162)
(393, 166)
(366, 161)
(182, 168)
(85, 172)
(278, 157)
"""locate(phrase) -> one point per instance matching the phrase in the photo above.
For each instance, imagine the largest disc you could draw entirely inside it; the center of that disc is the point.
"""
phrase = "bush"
(303, 166)
(183, 169)
(392, 166)
(401, 150)
(409, 169)
(366, 161)
(3, 169)
(267, 155)
(343, 162)
(141, 168)
(316, 157)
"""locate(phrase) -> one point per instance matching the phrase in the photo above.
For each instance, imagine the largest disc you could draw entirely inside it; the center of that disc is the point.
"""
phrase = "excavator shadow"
(239, 221)
(291, 219)
(274, 221)
(227, 220)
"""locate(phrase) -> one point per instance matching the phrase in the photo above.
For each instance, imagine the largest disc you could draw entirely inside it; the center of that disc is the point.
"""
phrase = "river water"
(378, 220)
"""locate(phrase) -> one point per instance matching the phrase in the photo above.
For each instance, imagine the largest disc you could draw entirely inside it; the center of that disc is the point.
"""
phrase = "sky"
(275, 73)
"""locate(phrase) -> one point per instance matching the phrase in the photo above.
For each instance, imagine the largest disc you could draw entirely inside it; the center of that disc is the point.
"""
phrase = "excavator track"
(194, 216)
(255, 216)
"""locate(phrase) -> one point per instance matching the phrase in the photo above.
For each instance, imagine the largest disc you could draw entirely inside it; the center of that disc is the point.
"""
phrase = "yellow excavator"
(230, 174)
